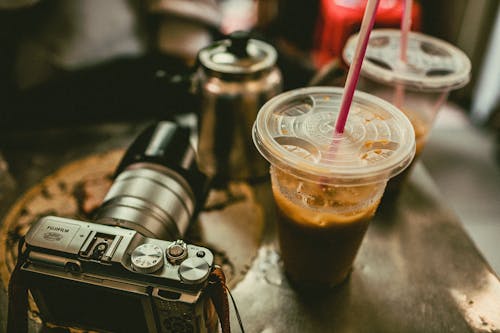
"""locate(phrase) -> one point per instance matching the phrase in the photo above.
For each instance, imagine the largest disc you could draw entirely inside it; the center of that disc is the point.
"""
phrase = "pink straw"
(405, 28)
(403, 47)
(355, 68)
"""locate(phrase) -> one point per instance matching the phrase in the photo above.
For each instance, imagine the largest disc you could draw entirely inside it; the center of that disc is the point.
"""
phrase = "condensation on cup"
(418, 87)
(326, 192)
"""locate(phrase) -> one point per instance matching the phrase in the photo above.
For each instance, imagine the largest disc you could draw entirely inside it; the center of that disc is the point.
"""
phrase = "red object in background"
(339, 19)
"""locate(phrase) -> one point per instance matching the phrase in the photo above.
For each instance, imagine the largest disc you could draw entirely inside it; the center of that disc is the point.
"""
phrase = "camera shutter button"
(194, 270)
(177, 252)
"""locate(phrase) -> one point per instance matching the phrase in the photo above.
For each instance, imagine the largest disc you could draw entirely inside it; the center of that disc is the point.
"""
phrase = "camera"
(115, 279)
(128, 270)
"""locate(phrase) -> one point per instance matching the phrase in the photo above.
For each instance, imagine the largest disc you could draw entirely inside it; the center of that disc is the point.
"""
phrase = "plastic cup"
(418, 87)
(325, 195)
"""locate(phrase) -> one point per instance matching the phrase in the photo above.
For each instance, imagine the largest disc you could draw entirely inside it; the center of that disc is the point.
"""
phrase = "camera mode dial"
(177, 252)
(147, 258)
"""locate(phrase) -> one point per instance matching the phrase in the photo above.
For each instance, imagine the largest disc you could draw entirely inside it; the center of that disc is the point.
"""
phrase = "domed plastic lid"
(238, 55)
(432, 64)
(294, 131)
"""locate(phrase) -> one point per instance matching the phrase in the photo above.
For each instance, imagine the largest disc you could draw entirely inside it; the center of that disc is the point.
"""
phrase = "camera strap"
(17, 317)
(218, 293)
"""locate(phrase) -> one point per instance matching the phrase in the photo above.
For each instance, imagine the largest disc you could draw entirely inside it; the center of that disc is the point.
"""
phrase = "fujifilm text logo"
(60, 229)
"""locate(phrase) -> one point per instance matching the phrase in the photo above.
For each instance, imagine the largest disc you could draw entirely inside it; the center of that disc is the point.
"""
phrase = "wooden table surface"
(417, 269)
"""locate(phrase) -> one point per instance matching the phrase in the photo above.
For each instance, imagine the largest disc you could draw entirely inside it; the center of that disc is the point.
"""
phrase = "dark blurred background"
(54, 66)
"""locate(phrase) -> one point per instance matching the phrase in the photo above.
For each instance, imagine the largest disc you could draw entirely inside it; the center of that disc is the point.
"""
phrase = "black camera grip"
(17, 320)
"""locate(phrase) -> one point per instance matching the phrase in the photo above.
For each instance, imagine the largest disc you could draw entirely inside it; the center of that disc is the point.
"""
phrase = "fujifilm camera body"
(114, 279)
(129, 271)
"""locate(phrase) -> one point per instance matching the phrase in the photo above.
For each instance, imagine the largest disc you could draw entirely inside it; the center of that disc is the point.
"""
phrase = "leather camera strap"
(17, 317)
(218, 292)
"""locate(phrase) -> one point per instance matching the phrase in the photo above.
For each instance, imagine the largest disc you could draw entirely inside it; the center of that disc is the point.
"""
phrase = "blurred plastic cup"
(418, 87)
(326, 197)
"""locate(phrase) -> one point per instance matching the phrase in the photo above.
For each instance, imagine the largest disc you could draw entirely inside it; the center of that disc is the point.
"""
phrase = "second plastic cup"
(418, 87)
(326, 192)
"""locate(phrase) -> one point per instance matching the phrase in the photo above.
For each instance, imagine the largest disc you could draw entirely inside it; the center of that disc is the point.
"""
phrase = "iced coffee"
(418, 87)
(322, 226)
(326, 190)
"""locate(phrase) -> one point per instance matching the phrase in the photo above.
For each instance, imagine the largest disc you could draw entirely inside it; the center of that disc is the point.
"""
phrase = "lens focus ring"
(156, 203)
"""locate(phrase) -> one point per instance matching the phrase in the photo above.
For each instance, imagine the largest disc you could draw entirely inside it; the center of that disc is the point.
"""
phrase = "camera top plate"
(88, 248)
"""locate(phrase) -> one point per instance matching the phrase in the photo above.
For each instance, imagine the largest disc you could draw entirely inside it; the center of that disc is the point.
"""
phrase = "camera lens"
(152, 200)
(158, 188)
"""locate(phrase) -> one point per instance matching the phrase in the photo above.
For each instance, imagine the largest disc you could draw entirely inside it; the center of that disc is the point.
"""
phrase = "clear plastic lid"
(432, 64)
(294, 131)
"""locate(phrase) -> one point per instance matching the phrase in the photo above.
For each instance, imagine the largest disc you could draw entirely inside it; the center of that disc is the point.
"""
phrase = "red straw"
(355, 68)
(403, 47)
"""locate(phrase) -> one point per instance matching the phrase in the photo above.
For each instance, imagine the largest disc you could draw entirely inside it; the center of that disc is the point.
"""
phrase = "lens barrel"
(158, 189)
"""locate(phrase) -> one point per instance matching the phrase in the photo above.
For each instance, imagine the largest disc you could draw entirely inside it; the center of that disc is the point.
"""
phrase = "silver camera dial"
(177, 252)
(194, 270)
(147, 258)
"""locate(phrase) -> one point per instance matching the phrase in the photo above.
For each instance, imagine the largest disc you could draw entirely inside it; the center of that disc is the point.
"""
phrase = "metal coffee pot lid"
(432, 64)
(238, 55)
